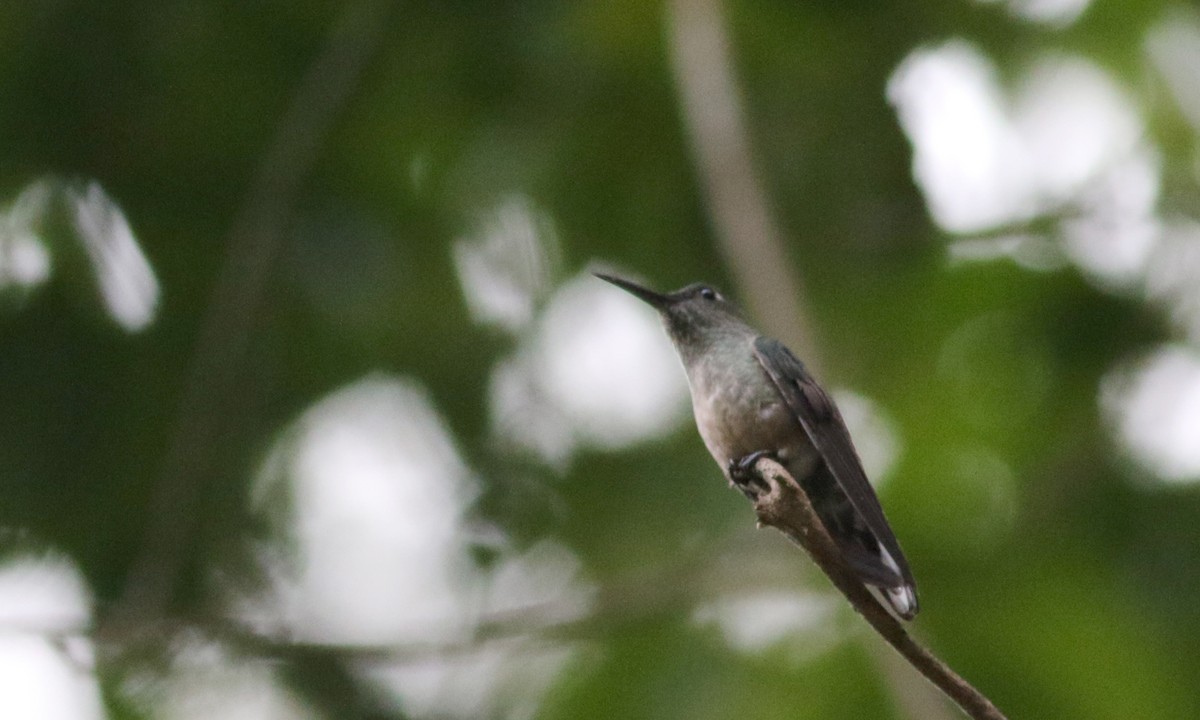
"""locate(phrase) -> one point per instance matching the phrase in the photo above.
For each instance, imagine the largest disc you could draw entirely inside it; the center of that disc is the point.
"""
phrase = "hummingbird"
(753, 398)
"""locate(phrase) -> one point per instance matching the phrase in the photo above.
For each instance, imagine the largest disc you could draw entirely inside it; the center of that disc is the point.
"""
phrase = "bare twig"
(786, 508)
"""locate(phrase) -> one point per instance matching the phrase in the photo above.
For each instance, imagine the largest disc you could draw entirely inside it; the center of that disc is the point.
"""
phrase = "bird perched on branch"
(752, 397)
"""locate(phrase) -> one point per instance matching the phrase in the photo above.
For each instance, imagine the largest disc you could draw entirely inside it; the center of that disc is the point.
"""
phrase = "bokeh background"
(309, 407)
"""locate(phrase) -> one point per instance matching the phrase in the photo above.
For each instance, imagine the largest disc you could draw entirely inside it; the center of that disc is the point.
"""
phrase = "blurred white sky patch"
(876, 436)
(540, 587)
(127, 283)
(1172, 274)
(380, 554)
(1073, 122)
(967, 156)
(379, 491)
(43, 593)
(1155, 406)
(756, 622)
(46, 665)
(24, 260)
(502, 679)
(1174, 48)
(1067, 136)
(1114, 235)
(546, 576)
(608, 364)
(508, 268)
(1054, 13)
(206, 682)
(597, 370)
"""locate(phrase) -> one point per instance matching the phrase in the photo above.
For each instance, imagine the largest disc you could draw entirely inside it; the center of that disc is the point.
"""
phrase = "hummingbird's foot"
(743, 476)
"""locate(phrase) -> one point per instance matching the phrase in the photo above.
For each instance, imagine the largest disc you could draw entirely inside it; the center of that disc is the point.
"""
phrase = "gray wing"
(825, 428)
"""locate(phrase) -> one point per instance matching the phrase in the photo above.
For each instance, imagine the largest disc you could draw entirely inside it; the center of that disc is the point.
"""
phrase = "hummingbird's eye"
(708, 293)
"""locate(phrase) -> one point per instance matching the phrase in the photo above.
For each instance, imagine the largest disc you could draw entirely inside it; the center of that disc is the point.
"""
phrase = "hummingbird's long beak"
(657, 300)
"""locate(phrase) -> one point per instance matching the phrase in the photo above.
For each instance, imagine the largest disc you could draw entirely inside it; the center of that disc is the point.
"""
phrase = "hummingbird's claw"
(743, 476)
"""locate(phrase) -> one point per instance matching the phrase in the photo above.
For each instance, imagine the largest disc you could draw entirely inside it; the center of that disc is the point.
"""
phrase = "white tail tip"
(903, 600)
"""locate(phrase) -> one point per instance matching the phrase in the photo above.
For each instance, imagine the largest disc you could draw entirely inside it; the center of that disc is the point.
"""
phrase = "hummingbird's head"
(693, 316)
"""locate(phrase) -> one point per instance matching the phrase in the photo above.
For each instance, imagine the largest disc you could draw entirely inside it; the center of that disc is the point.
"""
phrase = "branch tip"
(786, 507)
